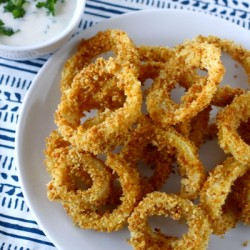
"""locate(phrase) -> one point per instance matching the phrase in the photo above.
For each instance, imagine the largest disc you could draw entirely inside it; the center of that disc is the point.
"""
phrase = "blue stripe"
(95, 14)
(8, 130)
(5, 146)
(32, 63)
(27, 238)
(104, 9)
(113, 5)
(43, 60)
(7, 138)
(22, 228)
(17, 68)
(18, 219)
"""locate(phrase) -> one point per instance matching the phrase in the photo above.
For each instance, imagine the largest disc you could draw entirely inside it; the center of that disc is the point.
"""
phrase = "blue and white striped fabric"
(18, 229)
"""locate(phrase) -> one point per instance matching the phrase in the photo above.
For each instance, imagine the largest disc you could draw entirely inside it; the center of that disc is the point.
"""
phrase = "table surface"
(18, 229)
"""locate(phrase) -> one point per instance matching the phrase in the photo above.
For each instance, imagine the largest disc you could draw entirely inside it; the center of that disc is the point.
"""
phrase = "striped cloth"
(18, 229)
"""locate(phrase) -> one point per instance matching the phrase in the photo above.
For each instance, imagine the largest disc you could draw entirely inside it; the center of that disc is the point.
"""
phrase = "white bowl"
(25, 52)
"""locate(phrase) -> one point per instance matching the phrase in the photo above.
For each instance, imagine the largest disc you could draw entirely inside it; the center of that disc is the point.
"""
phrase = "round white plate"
(153, 27)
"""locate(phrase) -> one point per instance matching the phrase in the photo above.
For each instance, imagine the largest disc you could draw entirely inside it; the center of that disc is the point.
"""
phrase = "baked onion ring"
(158, 203)
(67, 167)
(215, 192)
(241, 196)
(236, 51)
(108, 221)
(154, 53)
(109, 75)
(111, 40)
(149, 154)
(109, 129)
(191, 169)
(224, 94)
(191, 55)
(244, 131)
(228, 121)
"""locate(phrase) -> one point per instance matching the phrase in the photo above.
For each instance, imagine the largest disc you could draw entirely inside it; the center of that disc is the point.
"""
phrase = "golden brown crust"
(111, 220)
(108, 76)
(215, 192)
(158, 203)
(190, 55)
(228, 121)
(111, 40)
(105, 133)
(69, 168)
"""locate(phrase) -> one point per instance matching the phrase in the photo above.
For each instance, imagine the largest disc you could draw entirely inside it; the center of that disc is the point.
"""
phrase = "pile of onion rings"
(120, 137)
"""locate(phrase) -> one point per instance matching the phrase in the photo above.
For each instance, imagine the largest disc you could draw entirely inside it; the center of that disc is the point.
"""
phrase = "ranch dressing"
(36, 26)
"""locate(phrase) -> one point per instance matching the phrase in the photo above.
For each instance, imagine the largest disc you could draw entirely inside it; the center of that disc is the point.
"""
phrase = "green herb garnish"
(15, 7)
(49, 5)
(4, 30)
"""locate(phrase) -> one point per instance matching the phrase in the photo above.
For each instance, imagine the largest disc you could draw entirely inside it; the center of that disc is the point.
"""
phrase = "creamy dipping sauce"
(36, 26)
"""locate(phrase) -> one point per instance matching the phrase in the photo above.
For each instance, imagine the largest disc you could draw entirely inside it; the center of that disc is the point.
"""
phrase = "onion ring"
(157, 203)
(190, 167)
(154, 53)
(236, 51)
(149, 153)
(241, 194)
(111, 220)
(215, 191)
(65, 165)
(111, 40)
(244, 131)
(193, 54)
(103, 134)
(108, 75)
(228, 121)
(197, 128)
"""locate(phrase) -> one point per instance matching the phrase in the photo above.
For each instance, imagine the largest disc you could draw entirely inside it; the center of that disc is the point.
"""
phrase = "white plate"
(153, 27)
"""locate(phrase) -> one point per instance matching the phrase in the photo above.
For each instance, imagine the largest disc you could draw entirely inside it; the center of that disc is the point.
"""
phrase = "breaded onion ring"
(109, 129)
(159, 159)
(154, 53)
(224, 94)
(68, 166)
(241, 196)
(109, 75)
(190, 167)
(157, 203)
(111, 40)
(215, 192)
(153, 59)
(244, 131)
(197, 128)
(109, 221)
(236, 51)
(191, 55)
(228, 121)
